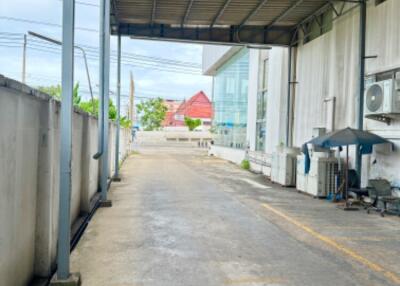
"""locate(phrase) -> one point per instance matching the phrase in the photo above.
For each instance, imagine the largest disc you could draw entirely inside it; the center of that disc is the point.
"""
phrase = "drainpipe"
(333, 100)
(106, 95)
(360, 121)
(289, 99)
(101, 83)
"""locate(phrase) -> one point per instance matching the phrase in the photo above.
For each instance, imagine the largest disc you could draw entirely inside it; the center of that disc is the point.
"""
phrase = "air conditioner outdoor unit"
(382, 99)
(283, 169)
(301, 176)
(321, 179)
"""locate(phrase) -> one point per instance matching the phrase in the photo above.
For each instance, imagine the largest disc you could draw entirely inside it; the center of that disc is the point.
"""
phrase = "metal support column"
(63, 246)
(289, 99)
(105, 59)
(360, 110)
(116, 166)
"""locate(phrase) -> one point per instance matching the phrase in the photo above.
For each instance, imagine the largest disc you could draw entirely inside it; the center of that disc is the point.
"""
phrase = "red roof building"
(172, 107)
(197, 107)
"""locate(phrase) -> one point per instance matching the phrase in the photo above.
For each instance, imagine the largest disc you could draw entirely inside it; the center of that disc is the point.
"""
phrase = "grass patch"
(245, 165)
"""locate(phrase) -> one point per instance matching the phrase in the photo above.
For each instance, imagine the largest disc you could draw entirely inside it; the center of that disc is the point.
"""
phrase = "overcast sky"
(44, 67)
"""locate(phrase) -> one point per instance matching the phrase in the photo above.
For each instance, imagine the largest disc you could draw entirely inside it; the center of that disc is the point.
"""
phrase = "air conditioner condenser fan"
(374, 97)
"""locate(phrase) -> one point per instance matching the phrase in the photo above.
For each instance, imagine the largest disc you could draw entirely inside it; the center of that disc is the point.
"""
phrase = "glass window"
(230, 102)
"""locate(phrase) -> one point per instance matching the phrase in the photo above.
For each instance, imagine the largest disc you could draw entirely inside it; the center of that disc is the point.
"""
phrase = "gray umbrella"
(348, 136)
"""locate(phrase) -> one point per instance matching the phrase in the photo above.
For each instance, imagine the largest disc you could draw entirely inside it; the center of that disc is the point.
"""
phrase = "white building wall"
(215, 56)
(383, 40)
(328, 67)
(277, 98)
(254, 63)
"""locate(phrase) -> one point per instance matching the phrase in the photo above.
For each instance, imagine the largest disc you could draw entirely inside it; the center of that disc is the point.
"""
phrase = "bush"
(192, 124)
(245, 165)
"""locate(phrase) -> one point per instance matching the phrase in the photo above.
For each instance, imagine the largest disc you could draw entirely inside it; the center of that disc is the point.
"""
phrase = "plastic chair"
(381, 191)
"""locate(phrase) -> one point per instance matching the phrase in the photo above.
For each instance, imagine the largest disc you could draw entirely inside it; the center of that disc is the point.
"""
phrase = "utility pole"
(116, 163)
(131, 113)
(24, 60)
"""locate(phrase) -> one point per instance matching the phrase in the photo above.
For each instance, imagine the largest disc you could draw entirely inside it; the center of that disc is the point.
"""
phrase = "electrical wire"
(29, 21)
(92, 49)
(135, 60)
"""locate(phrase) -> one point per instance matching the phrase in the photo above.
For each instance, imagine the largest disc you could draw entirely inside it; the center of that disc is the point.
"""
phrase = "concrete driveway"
(182, 218)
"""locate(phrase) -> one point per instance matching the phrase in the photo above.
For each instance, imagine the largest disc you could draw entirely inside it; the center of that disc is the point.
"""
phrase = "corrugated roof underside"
(203, 12)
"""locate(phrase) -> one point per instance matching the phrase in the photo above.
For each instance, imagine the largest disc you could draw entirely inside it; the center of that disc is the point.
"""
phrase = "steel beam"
(253, 13)
(153, 12)
(220, 13)
(361, 78)
(116, 163)
(284, 14)
(217, 35)
(187, 12)
(63, 246)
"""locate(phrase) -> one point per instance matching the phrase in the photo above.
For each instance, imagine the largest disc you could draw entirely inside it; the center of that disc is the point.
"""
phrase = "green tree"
(90, 106)
(125, 122)
(55, 91)
(152, 113)
(191, 123)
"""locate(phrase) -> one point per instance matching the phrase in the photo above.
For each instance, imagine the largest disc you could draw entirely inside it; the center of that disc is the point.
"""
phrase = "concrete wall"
(177, 138)
(328, 67)
(233, 155)
(29, 176)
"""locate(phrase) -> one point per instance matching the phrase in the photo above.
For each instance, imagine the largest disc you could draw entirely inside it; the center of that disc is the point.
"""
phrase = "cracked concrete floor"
(182, 218)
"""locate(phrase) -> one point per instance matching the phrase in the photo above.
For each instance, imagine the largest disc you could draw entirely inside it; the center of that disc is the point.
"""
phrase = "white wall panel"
(254, 61)
(277, 98)
(328, 67)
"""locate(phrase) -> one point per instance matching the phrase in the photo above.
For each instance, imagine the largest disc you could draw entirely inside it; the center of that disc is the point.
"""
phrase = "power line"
(84, 3)
(128, 58)
(29, 21)
(125, 62)
(18, 37)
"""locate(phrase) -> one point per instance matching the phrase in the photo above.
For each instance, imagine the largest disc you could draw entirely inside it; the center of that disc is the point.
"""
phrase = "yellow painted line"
(345, 250)
(250, 280)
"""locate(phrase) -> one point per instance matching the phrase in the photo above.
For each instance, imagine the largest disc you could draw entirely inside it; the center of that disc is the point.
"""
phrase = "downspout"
(333, 100)
(104, 173)
(360, 121)
(101, 83)
(289, 99)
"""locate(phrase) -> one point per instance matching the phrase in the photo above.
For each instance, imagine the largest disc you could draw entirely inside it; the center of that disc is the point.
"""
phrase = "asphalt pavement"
(180, 217)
